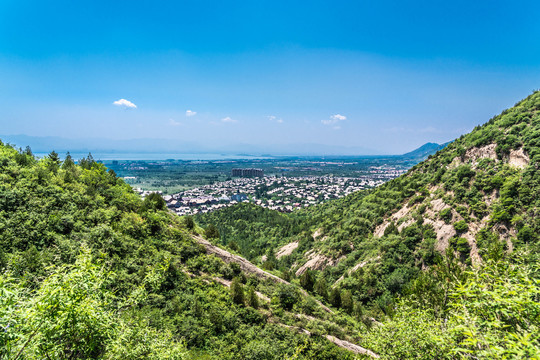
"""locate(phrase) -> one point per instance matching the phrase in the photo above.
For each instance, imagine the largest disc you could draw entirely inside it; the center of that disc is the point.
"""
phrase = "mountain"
(440, 263)
(89, 270)
(98, 146)
(425, 150)
(445, 246)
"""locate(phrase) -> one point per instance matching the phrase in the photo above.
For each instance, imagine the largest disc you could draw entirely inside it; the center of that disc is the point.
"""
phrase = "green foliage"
(307, 280)
(189, 223)
(335, 297)
(347, 302)
(461, 226)
(154, 202)
(252, 298)
(73, 315)
(211, 232)
(321, 288)
(495, 313)
(446, 215)
(287, 296)
(237, 291)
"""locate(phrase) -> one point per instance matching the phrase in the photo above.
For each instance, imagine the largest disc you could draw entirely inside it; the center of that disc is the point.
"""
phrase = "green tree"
(53, 161)
(306, 280)
(335, 297)
(321, 288)
(68, 162)
(347, 302)
(188, 222)
(252, 298)
(461, 226)
(154, 202)
(237, 291)
(287, 296)
(211, 232)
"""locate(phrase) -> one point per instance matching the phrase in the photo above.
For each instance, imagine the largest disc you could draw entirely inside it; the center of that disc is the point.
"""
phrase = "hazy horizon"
(109, 147)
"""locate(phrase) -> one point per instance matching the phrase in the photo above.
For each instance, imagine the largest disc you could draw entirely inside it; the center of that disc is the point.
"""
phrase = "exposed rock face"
(316, 262)
(404, 211)
(444, 232)
(287, 249)
(485, 152)
(351, 347)
(518, 158)
(474, 154)
(356, 267)
(438, 205)
(245, 265)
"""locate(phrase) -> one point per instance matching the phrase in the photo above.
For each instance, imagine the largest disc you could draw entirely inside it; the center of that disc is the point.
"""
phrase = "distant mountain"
(40, 144)
(94, 145)
(425, 150)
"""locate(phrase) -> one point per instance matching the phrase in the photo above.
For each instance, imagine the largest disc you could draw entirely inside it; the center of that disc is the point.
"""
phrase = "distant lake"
(103, 156)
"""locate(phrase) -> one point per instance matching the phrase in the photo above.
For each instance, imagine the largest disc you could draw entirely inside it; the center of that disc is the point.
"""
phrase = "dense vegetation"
(91, 271)
(388, 248)
(439, 263)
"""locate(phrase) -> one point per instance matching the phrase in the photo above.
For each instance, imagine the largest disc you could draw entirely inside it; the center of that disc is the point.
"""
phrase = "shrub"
(461, 226)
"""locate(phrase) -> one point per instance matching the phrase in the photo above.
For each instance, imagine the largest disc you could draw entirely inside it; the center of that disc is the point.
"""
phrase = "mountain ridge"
(469, 206)
(439, 263)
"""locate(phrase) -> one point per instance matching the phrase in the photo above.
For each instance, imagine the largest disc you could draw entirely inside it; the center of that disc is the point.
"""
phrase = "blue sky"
(381, 75)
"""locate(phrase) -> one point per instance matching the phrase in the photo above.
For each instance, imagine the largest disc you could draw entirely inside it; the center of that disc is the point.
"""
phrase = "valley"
(440, 262)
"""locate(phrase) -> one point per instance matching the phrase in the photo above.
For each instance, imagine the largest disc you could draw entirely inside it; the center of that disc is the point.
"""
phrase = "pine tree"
(211, 232)
(68, 162)
(321, 288)
(252, 298)
(189, 223)
(335, 297)
(237, 291)
(306, 280)
(347, 301)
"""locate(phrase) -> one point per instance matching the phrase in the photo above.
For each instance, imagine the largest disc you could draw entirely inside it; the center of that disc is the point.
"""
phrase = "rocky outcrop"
(476, 153)
(287, 249)
(351, 347)
(316, 262)
(245, 265)
(404, 211)
(518, 158)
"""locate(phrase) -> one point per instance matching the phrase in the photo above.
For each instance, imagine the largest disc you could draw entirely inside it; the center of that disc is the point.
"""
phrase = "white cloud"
(125, 103)
(228, 120)
(190, 113)
(334, 119)
(274, 118)
(338, 117)
(172, 122)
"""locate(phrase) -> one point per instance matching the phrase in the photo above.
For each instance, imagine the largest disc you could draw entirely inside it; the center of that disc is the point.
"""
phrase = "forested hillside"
(445, 256)
(440, 263)
(91, 271)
